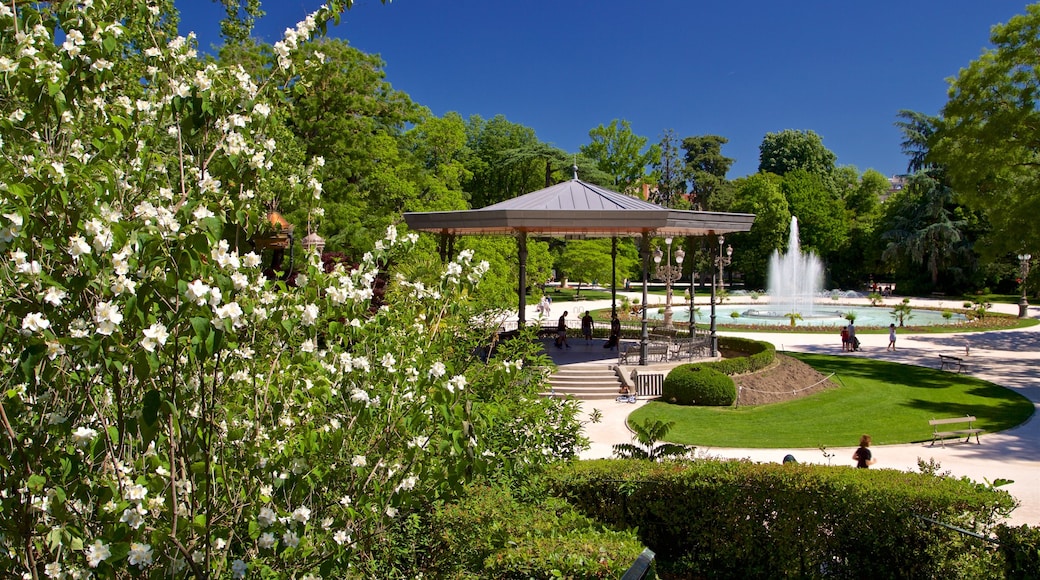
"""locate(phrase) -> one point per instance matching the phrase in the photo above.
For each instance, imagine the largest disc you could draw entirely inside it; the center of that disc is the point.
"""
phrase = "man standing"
(586, 327)
(561, 332)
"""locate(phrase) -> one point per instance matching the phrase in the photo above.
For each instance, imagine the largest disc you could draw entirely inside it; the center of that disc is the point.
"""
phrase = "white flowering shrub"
(166, 410)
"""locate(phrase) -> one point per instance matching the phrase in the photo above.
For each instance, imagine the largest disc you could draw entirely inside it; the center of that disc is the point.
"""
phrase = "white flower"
(359, 461)
(83, 435)
(53, 570)
(239, 568)
(136, 492)
(359, 396)
(251, 260)
(456, 383)
(341, 537)
(290, 539)
(345, 501)
(97, 553)
(107, 317)
(266, 516)
(310, 315)
(154, 335)
(266, 540)
(77, 247)
(132, 517)
(35, 322)
(437, 370)
(197, 292)
(308, 346)
(230, 311)
(54, 296)
(140, 555)
(302, 514)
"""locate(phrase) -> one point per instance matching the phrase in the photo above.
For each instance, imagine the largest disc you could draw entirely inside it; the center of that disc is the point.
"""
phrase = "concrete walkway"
(1008, 358)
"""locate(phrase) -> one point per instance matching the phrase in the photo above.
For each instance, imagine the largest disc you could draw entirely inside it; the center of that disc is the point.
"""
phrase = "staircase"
(592, 380)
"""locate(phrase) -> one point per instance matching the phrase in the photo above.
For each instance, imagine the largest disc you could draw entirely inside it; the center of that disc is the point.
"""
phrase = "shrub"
(698, 385)
(772, 521)
(1021, 550)
(491, 534)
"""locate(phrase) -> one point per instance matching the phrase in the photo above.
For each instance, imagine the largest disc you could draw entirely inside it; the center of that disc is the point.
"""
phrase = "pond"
(824, 315)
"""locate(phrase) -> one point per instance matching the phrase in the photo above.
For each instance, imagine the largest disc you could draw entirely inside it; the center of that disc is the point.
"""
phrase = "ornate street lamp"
(1023, 264)
(721, 260)
(313, 241)
(668, 274)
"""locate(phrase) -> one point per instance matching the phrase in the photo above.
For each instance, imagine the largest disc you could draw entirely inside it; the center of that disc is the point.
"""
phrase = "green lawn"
(891, 402)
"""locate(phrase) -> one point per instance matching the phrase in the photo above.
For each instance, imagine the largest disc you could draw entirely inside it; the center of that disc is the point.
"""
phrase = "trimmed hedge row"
(736, 519)
(490, 534)
(759, 356)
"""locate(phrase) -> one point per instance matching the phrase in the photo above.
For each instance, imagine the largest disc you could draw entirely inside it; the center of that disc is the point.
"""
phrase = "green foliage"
(169, 409)
(489, 533)
(1020, 547)
(697, 384)
(757, 355)
(648, 434)
(903, 312)
(769, 520)
(875, 298)
(587, 261)
(791, 150)
(618, 152)
(760, 194)
(705, 169)
(985, 138)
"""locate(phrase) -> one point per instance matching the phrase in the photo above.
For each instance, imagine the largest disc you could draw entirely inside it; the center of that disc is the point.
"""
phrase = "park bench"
(655, 351)
(948, 360)
(967, 432)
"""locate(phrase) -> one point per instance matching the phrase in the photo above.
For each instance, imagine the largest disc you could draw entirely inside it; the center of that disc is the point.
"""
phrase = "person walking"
(853, 341)
(892, 336)
(862, 456)
(615, 333)
(586, 327)
(561, 332)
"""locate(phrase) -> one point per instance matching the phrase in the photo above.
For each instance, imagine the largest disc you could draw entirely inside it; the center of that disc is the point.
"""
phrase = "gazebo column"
(613, 277)
(442, 246)
(521, 246)
(644, 251)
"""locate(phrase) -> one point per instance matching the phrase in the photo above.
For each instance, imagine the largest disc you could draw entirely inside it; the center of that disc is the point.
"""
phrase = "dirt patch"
(784, 380)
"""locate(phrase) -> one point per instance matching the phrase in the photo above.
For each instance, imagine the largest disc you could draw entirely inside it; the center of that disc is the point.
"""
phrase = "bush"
(698, 384)
(491, 534)
(772, 521)
(1021, 550)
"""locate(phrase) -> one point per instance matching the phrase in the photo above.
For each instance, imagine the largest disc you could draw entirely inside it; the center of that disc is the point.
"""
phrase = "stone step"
(585, 381)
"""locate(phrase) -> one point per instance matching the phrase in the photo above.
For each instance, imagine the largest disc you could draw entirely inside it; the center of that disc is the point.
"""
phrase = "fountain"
(794, 281)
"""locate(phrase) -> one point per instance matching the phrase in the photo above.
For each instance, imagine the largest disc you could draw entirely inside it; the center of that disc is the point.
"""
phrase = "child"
(891, 336)
(844, 339)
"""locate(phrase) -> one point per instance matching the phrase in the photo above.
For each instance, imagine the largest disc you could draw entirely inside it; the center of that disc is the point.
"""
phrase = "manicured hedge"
(490, 534)
(734, 519)
(698, 385)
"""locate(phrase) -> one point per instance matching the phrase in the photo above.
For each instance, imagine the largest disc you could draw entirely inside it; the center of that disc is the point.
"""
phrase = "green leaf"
(150, 408)
(36, 482)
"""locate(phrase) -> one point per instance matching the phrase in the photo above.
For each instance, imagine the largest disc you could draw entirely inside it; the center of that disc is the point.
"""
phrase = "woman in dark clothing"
(862, 456)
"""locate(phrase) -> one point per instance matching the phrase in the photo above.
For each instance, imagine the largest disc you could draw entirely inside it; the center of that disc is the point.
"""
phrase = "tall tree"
(706, 168)
(789, 150)
(760, 194)
(671, 185)
(821, 214)
(990, 134)
(498, 174)
(620, 153)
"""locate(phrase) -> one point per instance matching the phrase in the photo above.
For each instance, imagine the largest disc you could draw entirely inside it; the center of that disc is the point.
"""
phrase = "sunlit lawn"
(891, 402)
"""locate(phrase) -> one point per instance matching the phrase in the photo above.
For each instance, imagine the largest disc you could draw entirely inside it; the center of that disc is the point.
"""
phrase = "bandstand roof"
(581, 210)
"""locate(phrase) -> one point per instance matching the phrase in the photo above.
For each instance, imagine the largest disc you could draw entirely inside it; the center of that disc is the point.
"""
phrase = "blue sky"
(739, 69)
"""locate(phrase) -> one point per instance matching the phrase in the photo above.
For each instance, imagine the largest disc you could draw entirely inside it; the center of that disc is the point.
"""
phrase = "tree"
(168, 411)
(648, 435)
(760, 194)
(706, 169)
(619, 152)
(671, 185)
(990, 133)
(500, 171)
(821, 214)
(921, 229)
(790, 150)
(587, 261)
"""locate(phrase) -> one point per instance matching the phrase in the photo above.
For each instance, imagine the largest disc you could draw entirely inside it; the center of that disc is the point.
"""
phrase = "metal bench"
(948, 360)
(967, 432)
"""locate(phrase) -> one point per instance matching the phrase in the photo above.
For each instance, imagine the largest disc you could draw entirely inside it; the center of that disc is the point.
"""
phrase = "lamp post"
(1023, 265)
(668, 274)
(720, 261)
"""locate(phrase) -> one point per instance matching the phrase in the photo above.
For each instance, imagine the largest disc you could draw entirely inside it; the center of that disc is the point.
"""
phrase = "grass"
(890, 401)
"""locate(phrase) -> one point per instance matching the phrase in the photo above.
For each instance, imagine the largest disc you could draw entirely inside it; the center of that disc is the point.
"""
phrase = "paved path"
(1009, 358)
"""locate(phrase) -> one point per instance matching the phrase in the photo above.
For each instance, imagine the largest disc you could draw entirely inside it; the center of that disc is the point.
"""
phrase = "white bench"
(967, 432)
